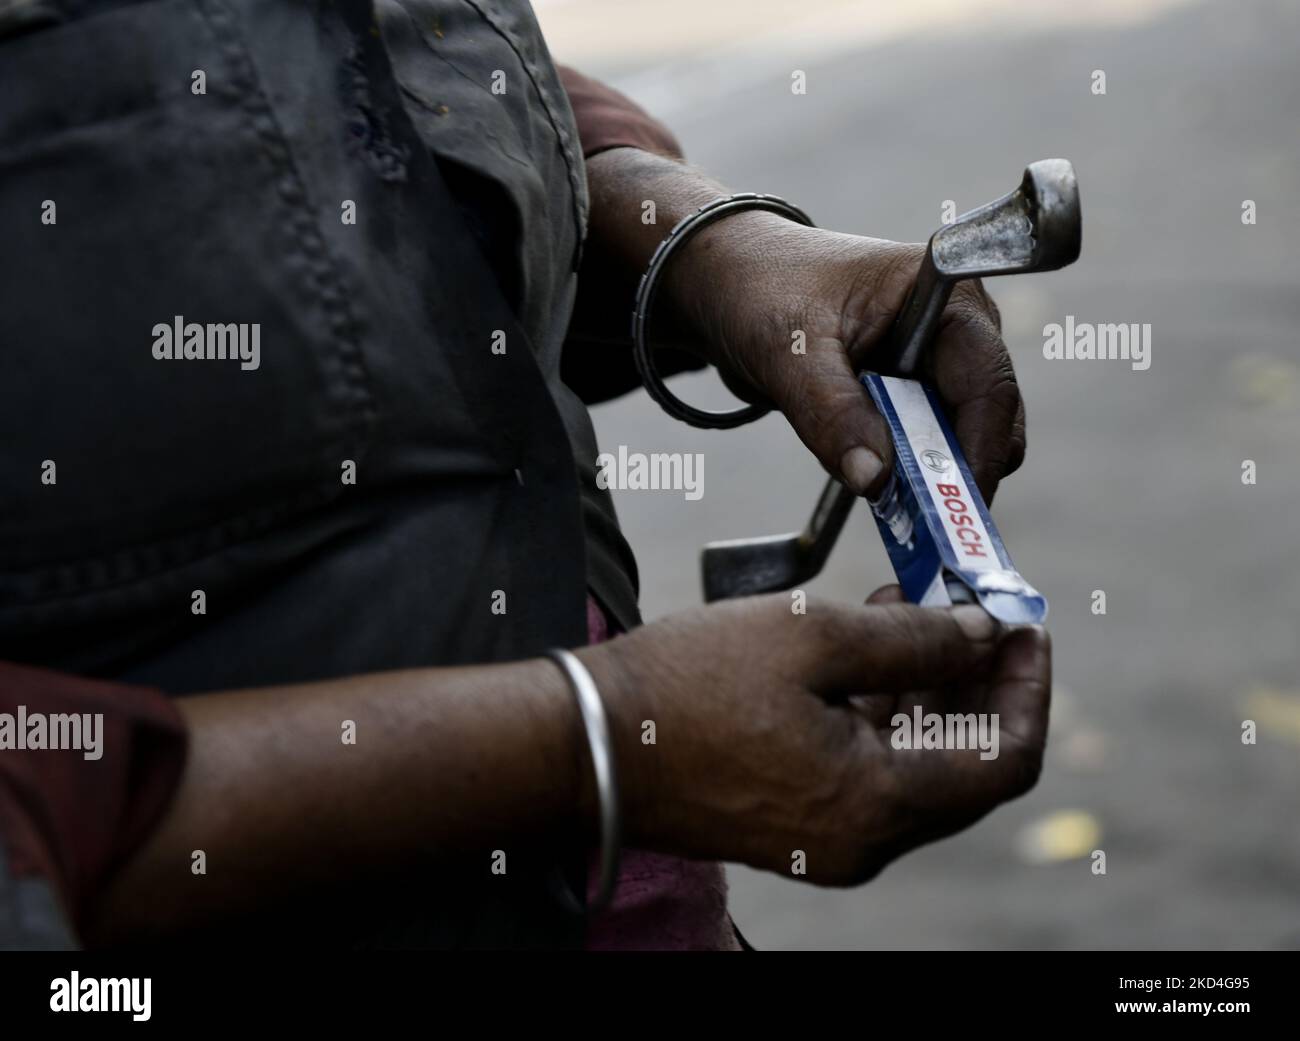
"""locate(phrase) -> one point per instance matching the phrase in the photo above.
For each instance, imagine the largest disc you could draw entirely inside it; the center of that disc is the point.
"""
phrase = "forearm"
(444, 761)
(620, 182)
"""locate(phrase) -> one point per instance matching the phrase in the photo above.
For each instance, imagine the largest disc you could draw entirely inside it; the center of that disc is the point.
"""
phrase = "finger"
(1019, 438)
(898, 647)
(835, 417)
(892, 594)
(1016, 448)
(941, 791)
(1021, 689)
(971, 369)
(956, 786)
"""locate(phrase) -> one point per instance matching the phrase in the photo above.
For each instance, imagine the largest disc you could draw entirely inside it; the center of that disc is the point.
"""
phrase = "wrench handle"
(917, 322)
(828, 517)
(911, 333)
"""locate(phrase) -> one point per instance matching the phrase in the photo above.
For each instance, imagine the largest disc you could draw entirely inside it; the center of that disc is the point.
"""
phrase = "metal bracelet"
(602, 760)
(645, 294)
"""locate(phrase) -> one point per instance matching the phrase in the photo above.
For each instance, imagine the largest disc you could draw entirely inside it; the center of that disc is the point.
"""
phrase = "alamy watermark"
(657, 471)
(216, 341)
(72, 993)
(952, 730)
(54, 731)
(1089, 341)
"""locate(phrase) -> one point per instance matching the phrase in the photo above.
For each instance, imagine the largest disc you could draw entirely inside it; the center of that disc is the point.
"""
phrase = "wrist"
(628, 706)
(707, 282)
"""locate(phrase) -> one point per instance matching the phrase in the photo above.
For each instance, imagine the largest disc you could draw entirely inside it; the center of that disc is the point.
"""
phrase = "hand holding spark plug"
(776, 726)
(775, 731)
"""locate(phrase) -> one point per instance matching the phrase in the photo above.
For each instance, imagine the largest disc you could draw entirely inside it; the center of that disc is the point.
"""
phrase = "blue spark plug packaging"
(941, 540)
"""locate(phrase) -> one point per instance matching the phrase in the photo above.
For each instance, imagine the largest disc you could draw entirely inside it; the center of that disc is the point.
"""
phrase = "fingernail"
(975, 622)
(860, 467)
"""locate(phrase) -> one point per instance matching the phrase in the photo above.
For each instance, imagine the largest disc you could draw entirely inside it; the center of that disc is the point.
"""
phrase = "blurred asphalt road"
(1132, 483)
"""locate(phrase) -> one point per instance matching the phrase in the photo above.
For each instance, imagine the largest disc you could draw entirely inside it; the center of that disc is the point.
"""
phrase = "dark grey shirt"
(388, 487)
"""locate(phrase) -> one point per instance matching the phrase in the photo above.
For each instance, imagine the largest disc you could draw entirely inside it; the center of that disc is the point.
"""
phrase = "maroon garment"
(71, 821)
(608, 119)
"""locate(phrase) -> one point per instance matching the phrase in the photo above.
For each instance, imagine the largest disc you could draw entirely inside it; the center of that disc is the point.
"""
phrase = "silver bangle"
(685, 229)
(602, 761)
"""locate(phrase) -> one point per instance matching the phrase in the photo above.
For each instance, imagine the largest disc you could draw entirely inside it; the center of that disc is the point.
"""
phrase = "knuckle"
(999, 384)
(913, 631)
(970, 303)
(890, 626)
(1015, 454)
(1002, 447)
(1005, 391)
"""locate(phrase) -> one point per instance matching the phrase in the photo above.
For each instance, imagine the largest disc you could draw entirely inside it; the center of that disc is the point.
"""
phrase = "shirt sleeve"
(597, 362)
(69, 817)
(607, 119)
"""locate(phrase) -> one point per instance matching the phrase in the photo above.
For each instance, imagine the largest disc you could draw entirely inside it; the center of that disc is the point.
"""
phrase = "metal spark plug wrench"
(1036, 227)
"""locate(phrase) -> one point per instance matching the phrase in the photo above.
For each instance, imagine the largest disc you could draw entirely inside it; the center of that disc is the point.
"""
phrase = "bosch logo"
(936, 461)
(967, 533)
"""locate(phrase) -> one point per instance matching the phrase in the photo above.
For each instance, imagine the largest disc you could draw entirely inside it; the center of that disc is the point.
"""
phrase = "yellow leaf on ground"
(1277, 712)
(1062, 835)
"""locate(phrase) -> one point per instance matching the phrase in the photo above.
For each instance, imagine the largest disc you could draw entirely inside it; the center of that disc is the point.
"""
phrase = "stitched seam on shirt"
(327, 283)
(325, 277)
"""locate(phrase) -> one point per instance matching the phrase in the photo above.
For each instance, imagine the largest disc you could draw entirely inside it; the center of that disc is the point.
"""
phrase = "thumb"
(902, 647)
(835, 417)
